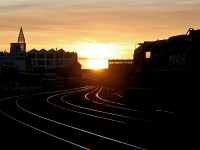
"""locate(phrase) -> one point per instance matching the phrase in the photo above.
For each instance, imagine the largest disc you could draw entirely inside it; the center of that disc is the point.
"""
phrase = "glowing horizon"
(101, 29)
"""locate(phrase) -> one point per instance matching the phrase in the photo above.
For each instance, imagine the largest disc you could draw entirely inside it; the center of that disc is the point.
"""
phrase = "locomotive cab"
(166, 74)
(175, 60)
(148, 59)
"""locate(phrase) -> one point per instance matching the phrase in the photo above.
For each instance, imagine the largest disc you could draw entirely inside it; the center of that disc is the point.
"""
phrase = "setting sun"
(97, 64)
(95, 50)
(95, 54)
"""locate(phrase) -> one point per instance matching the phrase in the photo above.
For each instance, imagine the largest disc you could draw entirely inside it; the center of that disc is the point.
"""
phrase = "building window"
(59, 55)
(40, 63)
(40, 55)
(49, 62)
(49, 55)
(31, 55)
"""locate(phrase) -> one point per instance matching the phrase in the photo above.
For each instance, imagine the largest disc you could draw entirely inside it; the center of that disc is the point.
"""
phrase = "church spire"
(21, 40)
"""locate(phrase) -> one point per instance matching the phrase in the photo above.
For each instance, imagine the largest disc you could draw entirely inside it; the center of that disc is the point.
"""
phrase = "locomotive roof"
(173, 40)
(144, 46)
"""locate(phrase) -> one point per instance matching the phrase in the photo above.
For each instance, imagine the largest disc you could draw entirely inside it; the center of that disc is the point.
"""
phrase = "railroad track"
(93, 118)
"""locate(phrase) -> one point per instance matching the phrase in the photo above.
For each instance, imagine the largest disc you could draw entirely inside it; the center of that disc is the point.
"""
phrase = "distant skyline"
(102, 29)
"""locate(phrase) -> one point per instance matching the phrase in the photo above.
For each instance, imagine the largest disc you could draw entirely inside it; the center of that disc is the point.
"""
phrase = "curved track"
(90, 118)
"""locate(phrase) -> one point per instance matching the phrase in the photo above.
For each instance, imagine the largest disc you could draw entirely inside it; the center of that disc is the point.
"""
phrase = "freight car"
(166, 74)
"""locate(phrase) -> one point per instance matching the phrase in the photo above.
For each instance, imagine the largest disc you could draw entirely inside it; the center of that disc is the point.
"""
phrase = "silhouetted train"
(166, 73)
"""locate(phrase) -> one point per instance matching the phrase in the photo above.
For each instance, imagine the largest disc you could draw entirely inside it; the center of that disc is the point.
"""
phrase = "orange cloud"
(66, 24)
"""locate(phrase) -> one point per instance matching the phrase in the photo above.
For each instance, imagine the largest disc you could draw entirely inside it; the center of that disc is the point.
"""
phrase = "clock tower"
(21, 40)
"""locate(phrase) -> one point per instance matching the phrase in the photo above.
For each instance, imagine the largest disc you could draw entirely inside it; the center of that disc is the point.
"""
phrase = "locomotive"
(165, 74)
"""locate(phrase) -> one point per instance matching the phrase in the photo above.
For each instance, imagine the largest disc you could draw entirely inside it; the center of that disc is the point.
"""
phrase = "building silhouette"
(21, 40)
(48, 63)
(17, 56)
(20, 46)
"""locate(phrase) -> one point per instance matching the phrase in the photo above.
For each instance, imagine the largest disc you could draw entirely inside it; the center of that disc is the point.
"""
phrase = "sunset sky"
(99, 29)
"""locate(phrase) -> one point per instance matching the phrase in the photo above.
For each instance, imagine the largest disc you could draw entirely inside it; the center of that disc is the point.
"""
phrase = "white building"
(49, 62)
(51, 59)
